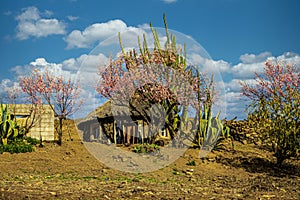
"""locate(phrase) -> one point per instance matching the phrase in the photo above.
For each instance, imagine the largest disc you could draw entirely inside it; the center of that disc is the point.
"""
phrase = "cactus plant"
(9, 128)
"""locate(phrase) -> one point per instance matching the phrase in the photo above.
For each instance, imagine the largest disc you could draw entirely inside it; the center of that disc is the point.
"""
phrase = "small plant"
(32, 141)
(17, 146)
(146, 148)
(175, 171)
(191, 163)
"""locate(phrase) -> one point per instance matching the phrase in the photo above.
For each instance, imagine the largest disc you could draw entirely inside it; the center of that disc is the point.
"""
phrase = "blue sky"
(239, 35)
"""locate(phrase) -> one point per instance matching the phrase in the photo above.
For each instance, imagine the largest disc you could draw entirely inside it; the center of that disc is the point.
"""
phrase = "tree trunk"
(59, 142)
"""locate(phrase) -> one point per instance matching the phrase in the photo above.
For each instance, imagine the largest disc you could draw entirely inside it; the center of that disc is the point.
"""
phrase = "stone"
(258, 142)
(124, 159)
(122, 185)
(148, 193)
(244, 141)
(53, 194)
(189, 173)
(133, 163)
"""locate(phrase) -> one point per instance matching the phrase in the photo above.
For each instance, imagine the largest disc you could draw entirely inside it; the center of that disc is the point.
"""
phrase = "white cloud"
(250, 65)
(252, 58)
(31, 24)
(7, 86)
(93, 33)
(72, 18)
(255, 63)
(169, 1)
(85, 63)
(208, 65)
(233, 85)
(289, 57)
(30, 13)
(41, 64)
(246, 71)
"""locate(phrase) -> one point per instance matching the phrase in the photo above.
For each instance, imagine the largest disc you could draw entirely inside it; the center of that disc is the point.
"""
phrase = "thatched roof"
(105, 111)
(102, 111)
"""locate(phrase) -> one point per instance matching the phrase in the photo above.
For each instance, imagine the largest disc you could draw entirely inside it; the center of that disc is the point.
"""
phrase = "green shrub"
(146, 148)
(32, 141)
(191, 163)
(17, 146)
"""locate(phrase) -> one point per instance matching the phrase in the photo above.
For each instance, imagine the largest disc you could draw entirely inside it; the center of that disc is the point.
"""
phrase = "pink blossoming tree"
(156, 83)
(43, 86)
(275, 108)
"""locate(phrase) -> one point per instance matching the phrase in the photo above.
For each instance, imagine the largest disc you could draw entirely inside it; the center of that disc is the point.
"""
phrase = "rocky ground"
(71, 172)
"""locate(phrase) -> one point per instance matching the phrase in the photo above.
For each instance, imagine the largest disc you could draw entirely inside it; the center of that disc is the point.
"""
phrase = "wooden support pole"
(100, 133)
(124, 134)
(115, 132)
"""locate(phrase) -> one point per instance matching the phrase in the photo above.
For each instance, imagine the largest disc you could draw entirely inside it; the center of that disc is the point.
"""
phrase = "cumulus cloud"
(255, 63)
(246, 71)
(87, 63)
(8, 87)
(39, 63)
(250, 65)
(31, 24)
(252, 58)
(209, 65)
(93, 33)
(233, 85)
(289, 57)
(169, 1)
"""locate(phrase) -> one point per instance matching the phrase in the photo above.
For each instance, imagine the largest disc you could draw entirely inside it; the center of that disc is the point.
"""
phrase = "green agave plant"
(211, 131)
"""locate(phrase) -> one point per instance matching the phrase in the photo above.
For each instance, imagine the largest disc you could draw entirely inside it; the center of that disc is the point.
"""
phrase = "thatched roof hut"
(116, 123)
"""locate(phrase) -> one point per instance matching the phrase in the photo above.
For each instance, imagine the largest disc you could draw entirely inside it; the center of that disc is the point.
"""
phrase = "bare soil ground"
(71, 172)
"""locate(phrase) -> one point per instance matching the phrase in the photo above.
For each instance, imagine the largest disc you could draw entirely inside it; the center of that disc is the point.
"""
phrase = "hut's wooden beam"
(115, 131)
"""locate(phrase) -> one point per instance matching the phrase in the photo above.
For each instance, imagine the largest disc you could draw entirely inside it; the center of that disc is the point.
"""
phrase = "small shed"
(43, 127)
(101, 125)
